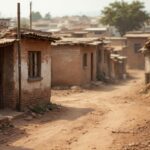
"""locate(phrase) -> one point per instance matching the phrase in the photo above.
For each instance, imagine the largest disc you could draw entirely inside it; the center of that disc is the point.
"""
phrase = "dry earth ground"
(108, 117)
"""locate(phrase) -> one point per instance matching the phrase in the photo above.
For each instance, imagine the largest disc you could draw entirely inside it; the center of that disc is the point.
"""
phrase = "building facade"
(135, 41)
(35, 70)
(73, 62)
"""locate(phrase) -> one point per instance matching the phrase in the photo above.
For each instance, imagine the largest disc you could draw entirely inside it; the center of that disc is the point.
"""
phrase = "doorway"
(1, 78)
(92, 67)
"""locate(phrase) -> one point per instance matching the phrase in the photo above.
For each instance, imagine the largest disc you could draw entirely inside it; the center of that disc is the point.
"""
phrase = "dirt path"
(103, 118)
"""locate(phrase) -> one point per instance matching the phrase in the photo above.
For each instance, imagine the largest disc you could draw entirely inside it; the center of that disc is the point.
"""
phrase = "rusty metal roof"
(33, 35)
(29, 34)
(6, 42)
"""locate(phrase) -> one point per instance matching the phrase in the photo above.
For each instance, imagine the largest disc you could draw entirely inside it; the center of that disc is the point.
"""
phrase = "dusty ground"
(109, 117)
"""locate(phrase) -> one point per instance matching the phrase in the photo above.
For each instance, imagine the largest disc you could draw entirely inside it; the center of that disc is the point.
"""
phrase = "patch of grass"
(42, 108)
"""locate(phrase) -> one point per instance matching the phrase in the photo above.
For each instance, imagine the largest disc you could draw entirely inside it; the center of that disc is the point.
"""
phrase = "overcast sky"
(58, 7)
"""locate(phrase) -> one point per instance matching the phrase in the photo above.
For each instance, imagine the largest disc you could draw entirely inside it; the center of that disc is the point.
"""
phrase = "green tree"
(36, 16)
(125, 16)
(48, 16)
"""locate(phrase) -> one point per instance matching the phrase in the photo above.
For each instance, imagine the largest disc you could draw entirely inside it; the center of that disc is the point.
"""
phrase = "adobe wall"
(66, 65)
(104, 63)
(118, 41)
(86, 71)
(134, 60)
(34, 92)
(118, 69)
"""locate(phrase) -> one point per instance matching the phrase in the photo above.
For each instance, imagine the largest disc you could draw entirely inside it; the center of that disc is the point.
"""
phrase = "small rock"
(34, 115)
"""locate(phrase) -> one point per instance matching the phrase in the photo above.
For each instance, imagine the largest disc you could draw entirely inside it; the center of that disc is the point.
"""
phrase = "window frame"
(34, 65)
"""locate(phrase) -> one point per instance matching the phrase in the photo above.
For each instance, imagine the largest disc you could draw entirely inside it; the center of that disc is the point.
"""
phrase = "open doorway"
(6, 76)
(1, 78)
(92, 66)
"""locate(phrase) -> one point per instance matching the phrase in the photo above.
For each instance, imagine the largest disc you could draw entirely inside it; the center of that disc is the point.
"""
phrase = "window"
(137, 47)
(85, 60)
(34, 64)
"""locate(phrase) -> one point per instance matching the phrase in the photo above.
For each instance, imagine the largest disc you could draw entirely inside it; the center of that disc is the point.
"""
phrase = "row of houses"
(130, 46)
(47, 60)
(85, 60)
(127, 46)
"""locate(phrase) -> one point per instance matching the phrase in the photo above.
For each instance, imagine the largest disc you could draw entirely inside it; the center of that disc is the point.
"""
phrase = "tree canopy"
(125, 16)
(47, 16)
(36, 16)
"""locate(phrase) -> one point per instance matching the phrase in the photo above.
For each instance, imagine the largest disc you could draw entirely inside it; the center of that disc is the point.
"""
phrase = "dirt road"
(109, 117)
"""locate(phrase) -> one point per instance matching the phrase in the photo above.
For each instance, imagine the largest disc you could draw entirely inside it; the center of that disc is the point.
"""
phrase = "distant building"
(44, 25)
(97, 32)
(135, 41)
(110, 66)
(41, 25)
(4, 23)
(118, 44)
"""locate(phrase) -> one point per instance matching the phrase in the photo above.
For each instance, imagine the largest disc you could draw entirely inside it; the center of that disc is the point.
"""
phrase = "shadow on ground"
(9, 136)
(14, 148)
(117, 84)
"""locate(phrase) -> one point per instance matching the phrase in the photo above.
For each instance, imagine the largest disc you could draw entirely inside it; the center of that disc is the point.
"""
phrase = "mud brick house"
(146, 51)
(36, 69)
(110, 66)
(4, 23)
(97, 32)
(118, 67)
(118, 44)
(135, 41)
(74, 61)
(103, 62)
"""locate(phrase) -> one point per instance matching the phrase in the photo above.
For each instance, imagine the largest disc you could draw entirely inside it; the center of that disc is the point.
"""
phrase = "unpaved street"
(108, 117)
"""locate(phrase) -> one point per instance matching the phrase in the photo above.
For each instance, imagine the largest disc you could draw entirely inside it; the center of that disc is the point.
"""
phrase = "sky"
(58, 7)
